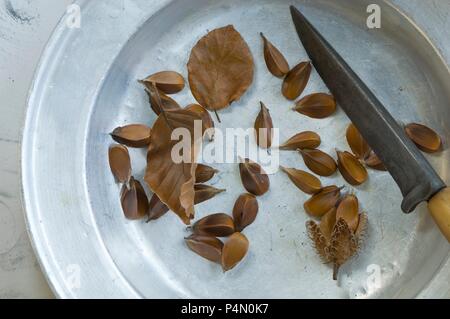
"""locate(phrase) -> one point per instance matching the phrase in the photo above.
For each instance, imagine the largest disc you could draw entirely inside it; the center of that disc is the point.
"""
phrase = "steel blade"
(417, 180)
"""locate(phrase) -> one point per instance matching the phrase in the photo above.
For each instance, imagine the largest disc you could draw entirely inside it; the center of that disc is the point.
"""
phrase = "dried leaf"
(319, 204)
(275, 61)
(220, 68)
(357, 143)
(244, 211)
(317, 105)
(351, 168)
(254, 178)
(134, 200)
(424, 137)
(169, 82)
(348, 210)
(120, 163)
(156, 208)
(173, 182)
(373, 161)
(204, 173)
(301, 140)
(264, 128)
(134, 135)
(234, 251)
(296, 80)
(167, 103)
(305, 181)
(207, 121)
(219, 225)
(206, 246)
(205, 192)
(327, 223)
(319, 241)
(319, 162)
(343, 245)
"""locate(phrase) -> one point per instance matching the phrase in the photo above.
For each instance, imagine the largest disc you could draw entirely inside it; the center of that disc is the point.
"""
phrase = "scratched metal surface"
(75, 219)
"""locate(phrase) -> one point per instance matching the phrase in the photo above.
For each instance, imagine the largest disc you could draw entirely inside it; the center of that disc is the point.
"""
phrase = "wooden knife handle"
(439, 207)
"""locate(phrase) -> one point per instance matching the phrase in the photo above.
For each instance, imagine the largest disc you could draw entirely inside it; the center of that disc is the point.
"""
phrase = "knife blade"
(414, 175)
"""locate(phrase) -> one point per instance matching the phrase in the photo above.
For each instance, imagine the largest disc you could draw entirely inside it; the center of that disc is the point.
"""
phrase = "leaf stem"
(335, 271)
(217, 116)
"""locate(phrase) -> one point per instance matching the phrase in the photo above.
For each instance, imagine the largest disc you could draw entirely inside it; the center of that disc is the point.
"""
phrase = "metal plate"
(86, 86)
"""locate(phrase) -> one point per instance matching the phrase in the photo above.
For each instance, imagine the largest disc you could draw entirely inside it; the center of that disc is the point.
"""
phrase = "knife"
(414, 175)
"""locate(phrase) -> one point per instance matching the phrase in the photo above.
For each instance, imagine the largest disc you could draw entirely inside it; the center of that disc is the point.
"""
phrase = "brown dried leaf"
(305, 181)
(120, 163)
(373, 161)
(166, 104)
(205, 192)
(327, 223)
(219, 225)
(301, 140)
(319, 241)
(357, 143)
(317, 105)
(134, 200)
(156, 208)
(204, 173)
(424, 137)
(275, 61)
(264, 128)
(234, 251)
(254, 178)
(169, 82)
(319, 204)
(244, 211)
(343, 246)
(206, 246)
(319, 162)
(220, 68)
(348, 210)
(351, 168)
(296, 80)
(207, 121)
(134, 135)
(173, 182)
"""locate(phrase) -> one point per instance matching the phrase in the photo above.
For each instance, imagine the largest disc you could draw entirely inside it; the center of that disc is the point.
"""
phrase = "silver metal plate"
(86, 86)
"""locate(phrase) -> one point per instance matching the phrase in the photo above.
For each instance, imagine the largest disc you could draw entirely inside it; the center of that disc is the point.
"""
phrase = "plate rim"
(25, 140)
